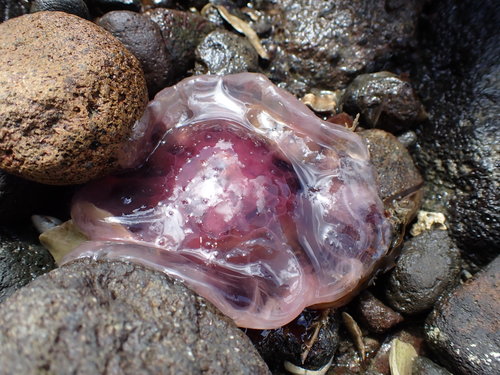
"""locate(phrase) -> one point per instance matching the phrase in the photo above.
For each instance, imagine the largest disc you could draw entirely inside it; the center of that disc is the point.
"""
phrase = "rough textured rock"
(21, 261)
(463, 327)
(325, 44)
(67, 99)
(113, 317)
(458, 149)
(182, 32)
(429, 266)
(223, 52)
(76, 7)
(384, 100)
(424, 366)
(143, 38)
(374, 315)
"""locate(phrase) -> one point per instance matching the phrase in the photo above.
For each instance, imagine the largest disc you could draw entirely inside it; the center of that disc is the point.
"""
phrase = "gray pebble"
(429, 265)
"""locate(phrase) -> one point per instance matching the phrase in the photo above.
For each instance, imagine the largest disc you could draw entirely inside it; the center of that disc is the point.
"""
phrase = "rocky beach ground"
(417, 80)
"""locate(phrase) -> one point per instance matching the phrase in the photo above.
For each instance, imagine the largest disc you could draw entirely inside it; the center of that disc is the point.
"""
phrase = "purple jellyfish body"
(247, 196)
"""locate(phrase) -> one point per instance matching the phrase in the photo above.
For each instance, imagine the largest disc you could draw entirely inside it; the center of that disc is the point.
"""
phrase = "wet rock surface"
(326, 44)
(399, 181)
(21, 261)
(12, 8)
(374, 314)
(182, 32)
(106, 317)
(384, 100)
(143, 38)
(463, 327)
(222, 52)
(429, 266)
(76, 7)
(289, 342)
(458, 149)
(424, 366)
(79, 95)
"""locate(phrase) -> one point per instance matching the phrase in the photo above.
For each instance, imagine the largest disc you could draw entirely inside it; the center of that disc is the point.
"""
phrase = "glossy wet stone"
(76, 7)
(223, 52)
(112, 317)
(384, 100)
(428, 267)
(259, 205)
(324, 45)
(182, 32)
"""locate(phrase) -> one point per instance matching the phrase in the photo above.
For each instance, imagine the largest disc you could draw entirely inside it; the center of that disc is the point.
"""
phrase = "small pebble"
(374, 315)
(429, 266)
(223, 52)
(384, 100)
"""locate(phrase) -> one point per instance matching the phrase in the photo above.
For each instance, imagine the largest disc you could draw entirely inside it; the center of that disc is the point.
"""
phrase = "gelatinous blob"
(256, 203)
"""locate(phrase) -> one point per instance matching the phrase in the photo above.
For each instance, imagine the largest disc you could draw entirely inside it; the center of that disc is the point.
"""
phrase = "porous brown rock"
(69, 95)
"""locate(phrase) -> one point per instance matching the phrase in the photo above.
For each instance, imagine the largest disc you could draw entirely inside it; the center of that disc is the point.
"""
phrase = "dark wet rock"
(12, 8)
(103, 6)
(424, 366)
(288, 342)
(67, 99)
(429, 266)
(463, 327)
(384, 100)
(143, 38)
(326, 44)
(458, 149)
(182, 32)
(223, 52)
(151, 4)
(374, 314)
(76, 7)
(21, 261)
(20, 198)
(400, 183)
(96, 317)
